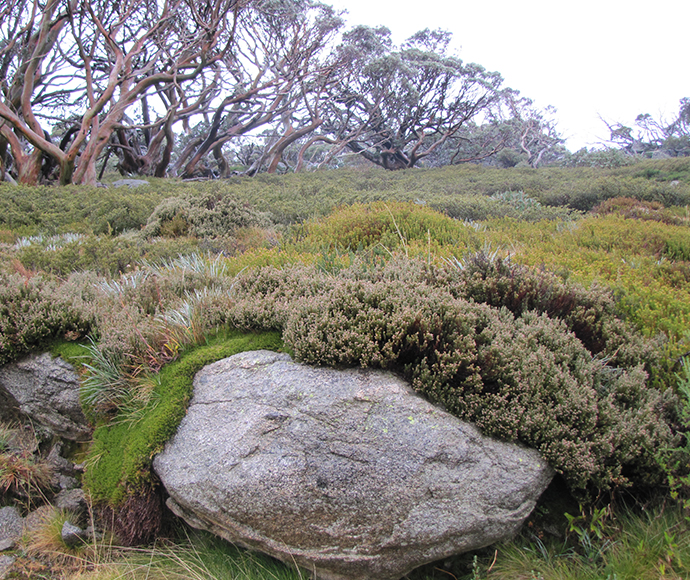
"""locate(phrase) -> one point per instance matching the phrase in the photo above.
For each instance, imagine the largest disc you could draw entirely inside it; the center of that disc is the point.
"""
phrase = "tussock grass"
(198, 556)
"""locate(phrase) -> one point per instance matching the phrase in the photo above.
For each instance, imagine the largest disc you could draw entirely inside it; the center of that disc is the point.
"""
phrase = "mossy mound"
(119, 462)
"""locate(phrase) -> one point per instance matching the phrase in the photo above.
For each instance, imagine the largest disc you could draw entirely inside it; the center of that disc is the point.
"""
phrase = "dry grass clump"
(21, 474)
(25, 476)
(146, 319)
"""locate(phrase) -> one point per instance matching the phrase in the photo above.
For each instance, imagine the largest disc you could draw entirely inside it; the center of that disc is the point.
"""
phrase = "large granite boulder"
(348, 473)
(46, 389)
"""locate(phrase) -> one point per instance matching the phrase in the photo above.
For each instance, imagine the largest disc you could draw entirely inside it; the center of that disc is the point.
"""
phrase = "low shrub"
(410, 227)
(520, 376)
(209, 215)
(590, 313)
(103, 255)
(83, 209)
(635, 209)
(624, 255)
(38, 310)
(507, 204)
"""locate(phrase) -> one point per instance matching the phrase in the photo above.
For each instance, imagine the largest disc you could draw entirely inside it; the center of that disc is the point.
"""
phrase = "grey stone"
(67, 482)
(46, 389)
(58, 462)
(348, 473)
(72, 535)
(11, 524)
(72, 500)
(37, 518)
(6, 563)
(131, 183)
(7, 544)
(93, 533)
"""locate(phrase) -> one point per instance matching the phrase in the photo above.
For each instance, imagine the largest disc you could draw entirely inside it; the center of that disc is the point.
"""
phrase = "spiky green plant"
(106, 383)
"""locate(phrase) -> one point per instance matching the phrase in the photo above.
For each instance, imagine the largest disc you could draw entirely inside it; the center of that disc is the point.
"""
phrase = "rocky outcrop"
(346, 472)
(11, 527)
(46, 389)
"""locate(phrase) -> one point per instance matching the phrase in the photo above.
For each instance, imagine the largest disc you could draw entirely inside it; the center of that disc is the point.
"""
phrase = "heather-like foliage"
(590, 313)
(675, 460)
(35, 311)
(210, 215)
(520, 375)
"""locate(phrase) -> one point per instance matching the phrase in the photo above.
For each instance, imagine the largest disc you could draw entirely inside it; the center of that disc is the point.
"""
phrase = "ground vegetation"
(447, 276)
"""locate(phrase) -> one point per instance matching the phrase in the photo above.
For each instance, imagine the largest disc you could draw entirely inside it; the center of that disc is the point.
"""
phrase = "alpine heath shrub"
(498, 347)
(37, 310)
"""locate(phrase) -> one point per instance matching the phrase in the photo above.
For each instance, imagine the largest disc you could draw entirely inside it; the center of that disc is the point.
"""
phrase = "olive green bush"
(506, 204)
(38, 310)
(83, 209)
(467, 191)
(521, 375)
(103, 255)
(208, 215)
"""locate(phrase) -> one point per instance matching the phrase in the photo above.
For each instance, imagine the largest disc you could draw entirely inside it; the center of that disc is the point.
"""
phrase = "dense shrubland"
(541, 323)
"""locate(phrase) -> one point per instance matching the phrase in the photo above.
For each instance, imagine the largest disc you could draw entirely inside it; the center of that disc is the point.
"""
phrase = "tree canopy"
(648, 135)
(185, 88)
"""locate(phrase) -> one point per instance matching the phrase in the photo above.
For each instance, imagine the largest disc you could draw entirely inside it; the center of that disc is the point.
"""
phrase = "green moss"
(119, 462)
(71, 352)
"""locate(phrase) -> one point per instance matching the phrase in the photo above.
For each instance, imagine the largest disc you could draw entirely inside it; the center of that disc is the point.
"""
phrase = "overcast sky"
(614, 58)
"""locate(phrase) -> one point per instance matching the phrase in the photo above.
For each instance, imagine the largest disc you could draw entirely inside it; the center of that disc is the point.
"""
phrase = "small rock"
(131, 183)
(37, 518)
(93, 533)
(72, 500)
(7, 544)
(67, 482)
(58, 462)
(72, 535)
(11, 524)
(6, 563)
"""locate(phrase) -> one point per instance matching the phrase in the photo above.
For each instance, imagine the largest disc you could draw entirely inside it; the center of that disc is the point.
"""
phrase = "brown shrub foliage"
(499, 351)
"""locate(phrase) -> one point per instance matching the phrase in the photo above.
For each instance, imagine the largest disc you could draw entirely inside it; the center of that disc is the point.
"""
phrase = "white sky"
(614, 58)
